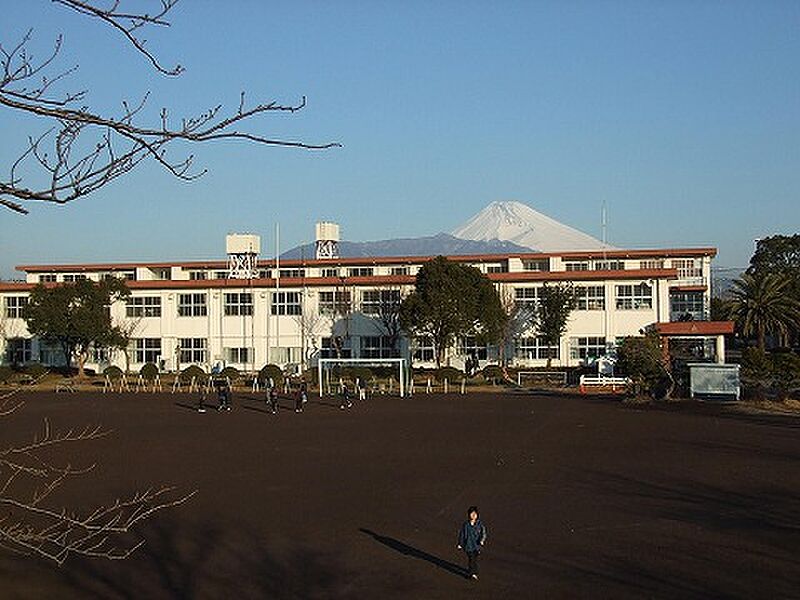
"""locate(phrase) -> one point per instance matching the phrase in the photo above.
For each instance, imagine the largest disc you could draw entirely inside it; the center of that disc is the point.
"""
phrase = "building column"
(720, 350)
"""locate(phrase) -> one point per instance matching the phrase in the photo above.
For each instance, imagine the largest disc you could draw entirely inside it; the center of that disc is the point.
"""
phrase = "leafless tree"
(521, 318)
(81, 150)
(387, 318)
(29, 474)
(309, 322)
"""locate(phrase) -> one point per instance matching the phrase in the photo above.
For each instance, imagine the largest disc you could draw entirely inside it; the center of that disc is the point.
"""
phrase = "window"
(496, 269)
(655, 263)
(330, 272)
(609, 265)
(535, 348)
(398, 271)
(47, 278)
(238, 304)
(526, 297)
(146, 350)
(422, 349)
(335, 347)
(577, 266)
(687, 306)
(292, 273)
(18, 351)
(193, 350)
(15, 305)
(220, 275)
(164, 274)
(334, 302)
(286, 303)
(469, 346)
(129, 275)
(378, 346)
(192, 305)
(590, 297)
(72, 277)
(634, 297)
(536, 265)
(687, 268)
(98, 355)
(239, 355)
(196, 275)
(143, 306)
(584, 348)
(360, 272)
(373, 302)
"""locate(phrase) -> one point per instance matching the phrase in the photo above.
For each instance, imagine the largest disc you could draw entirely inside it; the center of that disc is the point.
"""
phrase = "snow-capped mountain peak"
(518, 223)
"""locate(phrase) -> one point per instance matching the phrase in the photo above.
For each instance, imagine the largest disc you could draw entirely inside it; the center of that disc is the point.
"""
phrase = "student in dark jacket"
(471, 538)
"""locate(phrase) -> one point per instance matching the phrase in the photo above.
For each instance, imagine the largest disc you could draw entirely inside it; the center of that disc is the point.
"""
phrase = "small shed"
(713, 379)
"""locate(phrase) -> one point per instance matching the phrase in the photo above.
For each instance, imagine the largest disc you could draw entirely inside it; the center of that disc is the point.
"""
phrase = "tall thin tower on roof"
(327, 245)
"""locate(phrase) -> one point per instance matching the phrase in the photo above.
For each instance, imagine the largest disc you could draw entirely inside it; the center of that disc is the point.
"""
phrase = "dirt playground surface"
(583, 498)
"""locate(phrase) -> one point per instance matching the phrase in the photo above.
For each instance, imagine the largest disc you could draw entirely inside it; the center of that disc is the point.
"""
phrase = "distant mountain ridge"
(442, 243)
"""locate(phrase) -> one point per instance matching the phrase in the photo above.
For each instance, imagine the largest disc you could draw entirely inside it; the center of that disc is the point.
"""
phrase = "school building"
(246, 312)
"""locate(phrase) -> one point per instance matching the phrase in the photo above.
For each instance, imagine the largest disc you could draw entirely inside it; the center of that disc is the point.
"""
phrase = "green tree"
(780, 254)
(449, 300)
(76, 316)
(762, 303)
(555, 304)
(641, 359)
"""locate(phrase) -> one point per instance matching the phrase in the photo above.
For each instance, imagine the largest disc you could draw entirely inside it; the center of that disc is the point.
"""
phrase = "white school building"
(293, 312)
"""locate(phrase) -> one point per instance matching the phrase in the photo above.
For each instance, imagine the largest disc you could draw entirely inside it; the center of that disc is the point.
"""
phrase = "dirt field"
(582, 498)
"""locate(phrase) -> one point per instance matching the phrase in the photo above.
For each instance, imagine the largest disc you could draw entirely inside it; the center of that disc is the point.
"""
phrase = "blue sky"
(684, 117)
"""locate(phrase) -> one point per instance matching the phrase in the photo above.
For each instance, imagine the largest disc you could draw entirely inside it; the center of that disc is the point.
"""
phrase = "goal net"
(326, 365)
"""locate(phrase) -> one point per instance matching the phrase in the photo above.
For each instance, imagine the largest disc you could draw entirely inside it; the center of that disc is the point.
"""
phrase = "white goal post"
(365, 362)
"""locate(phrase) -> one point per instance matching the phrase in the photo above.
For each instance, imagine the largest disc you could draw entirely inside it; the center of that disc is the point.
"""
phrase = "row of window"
(195, 350)
(593, 297)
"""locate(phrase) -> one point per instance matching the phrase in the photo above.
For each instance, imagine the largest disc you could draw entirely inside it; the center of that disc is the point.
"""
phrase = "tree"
(555, 304)
(388, 315)
(520, 318)
(780, 254)
(641, 359)
(29, 474)
(76, 316)
(762, 304)
(449, 300)
(88, 149)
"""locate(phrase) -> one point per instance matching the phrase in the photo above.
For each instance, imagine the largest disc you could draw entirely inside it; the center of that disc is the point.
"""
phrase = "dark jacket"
(472, 537)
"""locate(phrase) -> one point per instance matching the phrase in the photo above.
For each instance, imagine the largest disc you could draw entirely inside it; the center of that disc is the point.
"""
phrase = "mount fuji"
(519, 224)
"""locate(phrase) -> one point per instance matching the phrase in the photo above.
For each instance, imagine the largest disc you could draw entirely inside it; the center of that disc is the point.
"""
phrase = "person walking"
(300, 399)
(273, 400)
(471, 538)
(345, 401)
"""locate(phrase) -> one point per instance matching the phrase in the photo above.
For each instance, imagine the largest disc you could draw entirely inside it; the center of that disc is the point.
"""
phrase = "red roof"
(678, 328)
(379, 260)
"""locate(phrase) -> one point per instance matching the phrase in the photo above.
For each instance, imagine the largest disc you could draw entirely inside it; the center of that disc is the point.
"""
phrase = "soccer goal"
(324, 365)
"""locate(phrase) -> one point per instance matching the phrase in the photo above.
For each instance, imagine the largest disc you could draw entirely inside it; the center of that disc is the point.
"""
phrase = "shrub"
(640, 359)
(149, 371)
(785, 373)
(492, 373)
(34, 369)
(5, 373)
(310, 376)
(230, 372)
(450, 373)
(113, 372)
(273, 371)
(756, 372)
(192, 371)
(363, 372)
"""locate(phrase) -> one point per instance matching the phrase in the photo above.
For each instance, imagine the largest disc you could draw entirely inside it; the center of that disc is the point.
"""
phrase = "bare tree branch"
(90, 150)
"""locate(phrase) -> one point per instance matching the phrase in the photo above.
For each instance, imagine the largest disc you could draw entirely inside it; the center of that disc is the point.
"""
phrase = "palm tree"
(763, 303)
